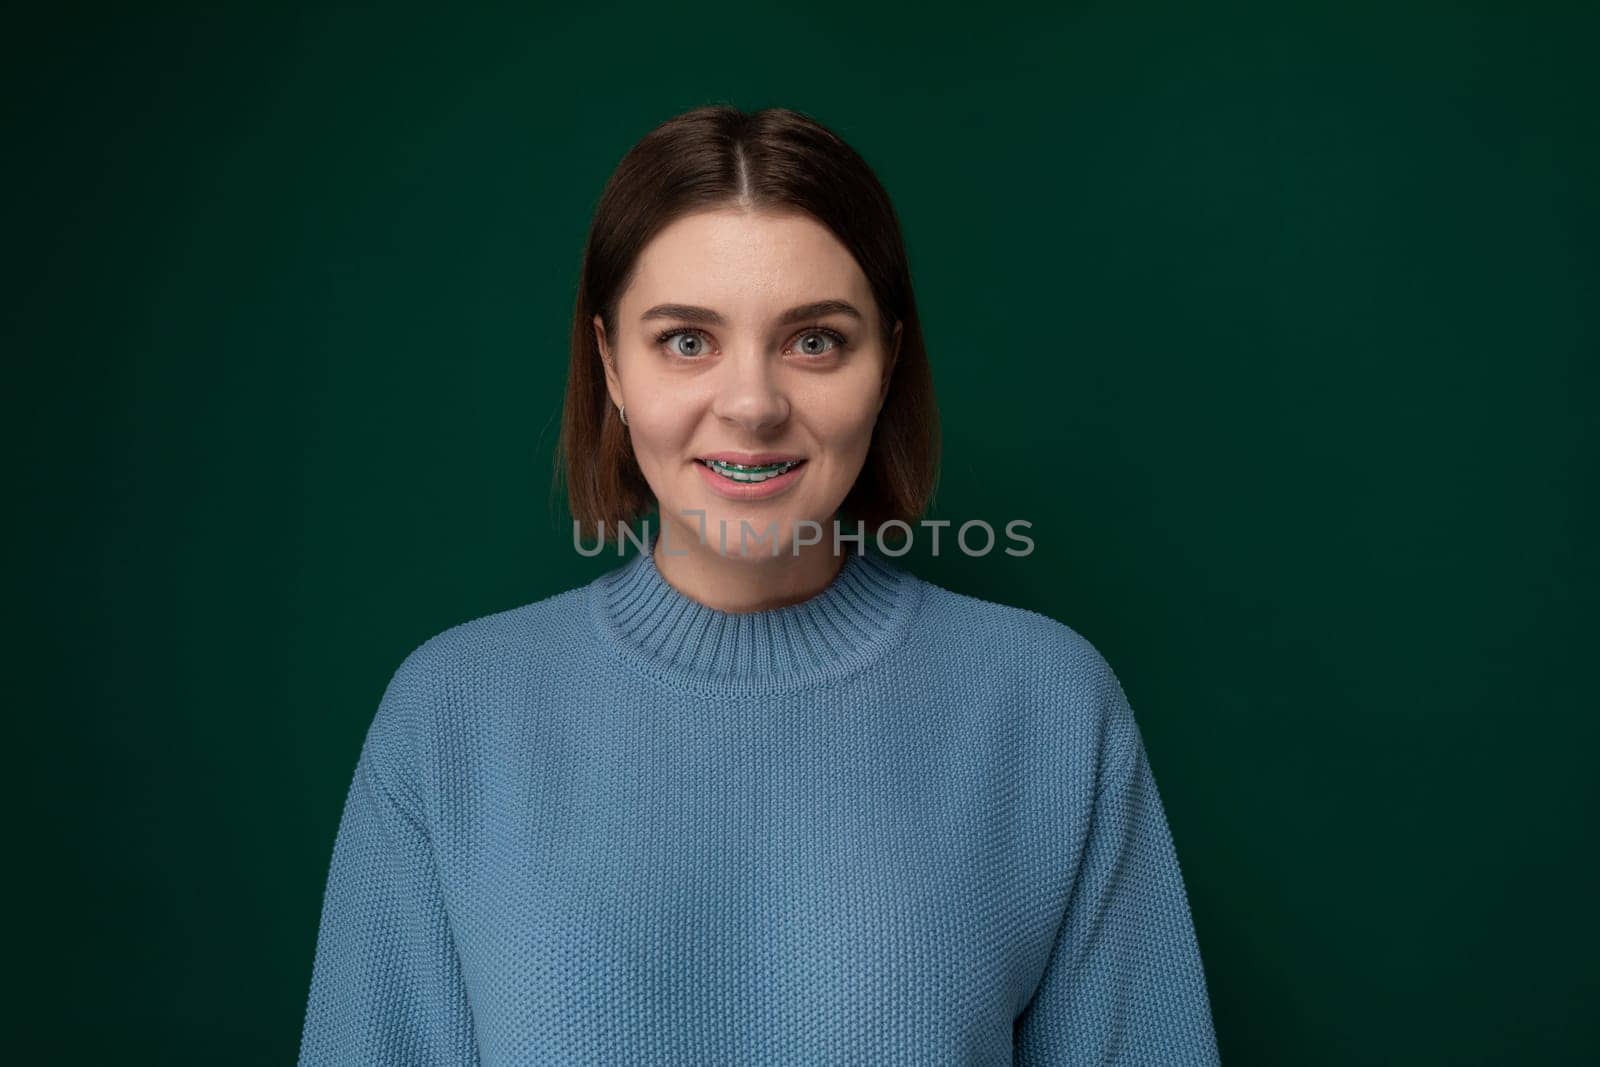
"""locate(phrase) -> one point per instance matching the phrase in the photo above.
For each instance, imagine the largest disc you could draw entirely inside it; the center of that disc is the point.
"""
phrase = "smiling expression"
(751, 359)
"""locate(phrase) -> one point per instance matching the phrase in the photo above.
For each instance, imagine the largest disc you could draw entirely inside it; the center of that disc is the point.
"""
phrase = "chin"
(757, 545)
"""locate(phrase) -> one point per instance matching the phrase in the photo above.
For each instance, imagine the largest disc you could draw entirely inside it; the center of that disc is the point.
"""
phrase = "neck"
(843, 626)
(758, 580)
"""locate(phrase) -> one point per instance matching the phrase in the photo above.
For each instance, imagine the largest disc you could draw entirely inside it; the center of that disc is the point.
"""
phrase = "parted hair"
(778, 160)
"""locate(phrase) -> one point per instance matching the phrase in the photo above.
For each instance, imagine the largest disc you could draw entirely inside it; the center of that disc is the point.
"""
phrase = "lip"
(750, 491)
(751, 459)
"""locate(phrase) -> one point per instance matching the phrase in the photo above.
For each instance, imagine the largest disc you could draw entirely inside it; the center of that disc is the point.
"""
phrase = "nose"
(750, 394)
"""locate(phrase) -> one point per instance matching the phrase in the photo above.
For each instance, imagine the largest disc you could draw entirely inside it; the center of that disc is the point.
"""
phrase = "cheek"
(659, 439)
(661, 419)
(848, 425)
(843, 414)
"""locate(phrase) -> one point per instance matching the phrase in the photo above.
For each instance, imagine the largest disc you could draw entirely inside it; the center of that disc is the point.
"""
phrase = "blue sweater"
(888, 825)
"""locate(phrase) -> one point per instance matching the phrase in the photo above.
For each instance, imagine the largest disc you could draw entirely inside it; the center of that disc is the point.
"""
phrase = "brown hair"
(778, 160)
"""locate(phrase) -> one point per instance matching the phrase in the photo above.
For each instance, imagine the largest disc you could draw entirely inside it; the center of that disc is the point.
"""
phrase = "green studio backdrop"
(1277, 323)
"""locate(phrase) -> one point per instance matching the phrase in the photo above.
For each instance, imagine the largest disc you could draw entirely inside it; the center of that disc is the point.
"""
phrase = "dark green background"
(1291, 309)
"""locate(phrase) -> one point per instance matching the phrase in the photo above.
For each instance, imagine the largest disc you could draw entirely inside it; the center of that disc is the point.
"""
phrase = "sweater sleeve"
(1124, 982)
(386, 985)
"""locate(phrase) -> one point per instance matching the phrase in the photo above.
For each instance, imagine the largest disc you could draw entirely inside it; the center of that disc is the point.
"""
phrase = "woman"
(762, 799)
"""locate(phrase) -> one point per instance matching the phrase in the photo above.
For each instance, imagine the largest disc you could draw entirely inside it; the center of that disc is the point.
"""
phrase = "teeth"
(759, 473)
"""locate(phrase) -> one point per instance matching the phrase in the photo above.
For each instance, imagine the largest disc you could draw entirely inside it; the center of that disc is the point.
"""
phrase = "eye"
(693, 348)
(691, 344)
(811, 338)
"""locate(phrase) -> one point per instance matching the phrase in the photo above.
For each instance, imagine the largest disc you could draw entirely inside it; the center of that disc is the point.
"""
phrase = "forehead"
(737, 260)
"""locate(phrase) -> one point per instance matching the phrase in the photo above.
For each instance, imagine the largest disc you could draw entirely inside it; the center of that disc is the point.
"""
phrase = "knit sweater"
(890, 825)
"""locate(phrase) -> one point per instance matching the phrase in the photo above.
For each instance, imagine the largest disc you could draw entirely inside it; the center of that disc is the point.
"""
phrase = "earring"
(622, 411)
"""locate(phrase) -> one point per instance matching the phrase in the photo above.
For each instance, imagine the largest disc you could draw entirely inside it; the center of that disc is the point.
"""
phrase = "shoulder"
(1055, 669)
(532, 626)
(441, 679)
(1064, 706)
(1046, 646)
(448, 688)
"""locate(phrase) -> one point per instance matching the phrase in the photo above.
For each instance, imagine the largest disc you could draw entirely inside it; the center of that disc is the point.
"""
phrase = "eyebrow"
(690, 313)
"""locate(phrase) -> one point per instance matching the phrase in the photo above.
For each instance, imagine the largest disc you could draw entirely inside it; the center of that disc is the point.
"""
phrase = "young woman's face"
(752, 338)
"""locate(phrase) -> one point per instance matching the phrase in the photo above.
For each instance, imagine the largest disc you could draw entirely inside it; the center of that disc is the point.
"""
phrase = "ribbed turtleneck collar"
(864, 612)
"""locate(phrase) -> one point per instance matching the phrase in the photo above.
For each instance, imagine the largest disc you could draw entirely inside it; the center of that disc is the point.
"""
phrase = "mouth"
(750, 473)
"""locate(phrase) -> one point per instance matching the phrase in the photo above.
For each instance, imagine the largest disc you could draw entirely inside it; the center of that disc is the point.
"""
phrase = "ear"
(608, 362)
(889, 364)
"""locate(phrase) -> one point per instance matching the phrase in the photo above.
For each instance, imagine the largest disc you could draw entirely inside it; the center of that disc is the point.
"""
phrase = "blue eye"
(692, 344)
(692, 335)
(836, 340)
